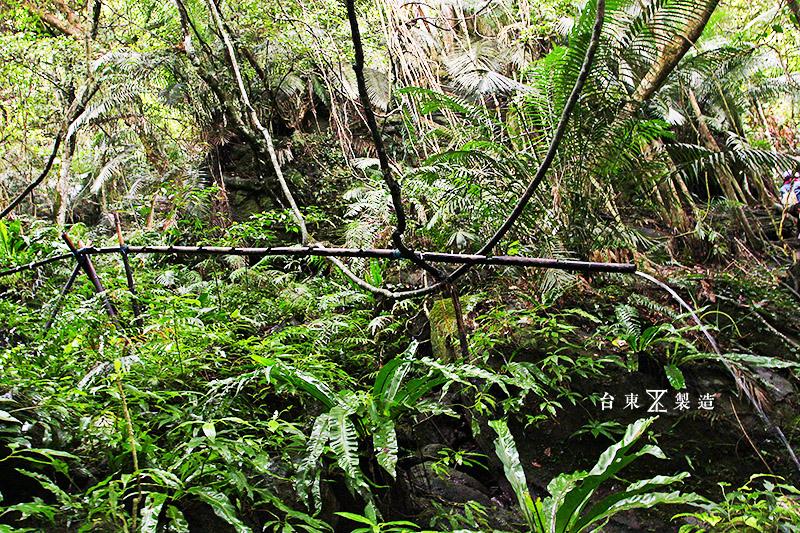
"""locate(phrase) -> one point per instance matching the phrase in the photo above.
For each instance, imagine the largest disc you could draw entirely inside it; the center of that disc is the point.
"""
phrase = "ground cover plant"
(246, 328)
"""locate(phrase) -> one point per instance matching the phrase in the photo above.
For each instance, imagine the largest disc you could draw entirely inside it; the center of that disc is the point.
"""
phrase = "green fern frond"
(643, 301)
(628, 319)
(432, 101)
(308, 471)
(344, 445)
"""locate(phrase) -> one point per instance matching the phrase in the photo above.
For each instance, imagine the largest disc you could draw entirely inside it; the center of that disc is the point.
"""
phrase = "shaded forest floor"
(226, 442)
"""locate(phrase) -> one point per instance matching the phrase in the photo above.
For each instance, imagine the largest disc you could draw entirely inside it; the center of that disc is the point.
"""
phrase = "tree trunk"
(678, 214)
(795, 7)
(240, 112)
(665, 192)
(728, 183)
(671, 53)
(660, 204)
(62, 188)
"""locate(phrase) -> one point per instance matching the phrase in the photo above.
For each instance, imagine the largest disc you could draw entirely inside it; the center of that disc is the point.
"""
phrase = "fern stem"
(132, 441)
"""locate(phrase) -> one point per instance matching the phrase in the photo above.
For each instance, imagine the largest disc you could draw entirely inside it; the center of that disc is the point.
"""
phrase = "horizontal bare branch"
(374, 253)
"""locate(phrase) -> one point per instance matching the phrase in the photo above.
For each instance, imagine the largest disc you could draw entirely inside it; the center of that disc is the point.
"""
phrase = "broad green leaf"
(643, 501)
(524, 378)
(311, 385)
(385, 376)
(4, 237)
(356, 518)
(151, 510)
(165, 478)
(177, 521)
(308, 471)
(37, 509)
(389, 380)
(222, 507)
(675, 377)
(8, 529)
(385, 442)
(376, 276)
(758, 360)
(210, 431)
(344, 442)
(570, 498)
(47, 484)
(5, 416)
(611, 503)
(507, 452)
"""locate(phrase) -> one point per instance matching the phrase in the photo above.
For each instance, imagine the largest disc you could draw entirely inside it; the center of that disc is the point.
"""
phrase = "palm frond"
(478, 69)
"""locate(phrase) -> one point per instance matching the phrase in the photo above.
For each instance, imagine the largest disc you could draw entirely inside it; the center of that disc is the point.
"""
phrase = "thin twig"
(64, 291)
(773, 329)
(748, 438)
(65, 132)
(132, 441)
(457, 311)
(123, 250)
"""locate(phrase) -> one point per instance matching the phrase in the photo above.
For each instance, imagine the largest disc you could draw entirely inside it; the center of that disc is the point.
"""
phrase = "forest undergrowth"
(277, 396)
(353, 384)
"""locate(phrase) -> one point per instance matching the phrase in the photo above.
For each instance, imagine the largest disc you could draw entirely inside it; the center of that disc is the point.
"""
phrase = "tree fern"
(478, 69)
(693, 159)
(430, 101)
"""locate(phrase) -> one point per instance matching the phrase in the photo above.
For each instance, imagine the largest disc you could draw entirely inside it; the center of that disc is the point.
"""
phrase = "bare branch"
(37, 181)
(386, 171)
(554, 143)
(67, 27)
(76, 108)
(256, 122)
(372, 253)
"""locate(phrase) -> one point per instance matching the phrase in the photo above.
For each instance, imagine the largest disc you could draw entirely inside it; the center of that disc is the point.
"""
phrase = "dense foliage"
(244, 391)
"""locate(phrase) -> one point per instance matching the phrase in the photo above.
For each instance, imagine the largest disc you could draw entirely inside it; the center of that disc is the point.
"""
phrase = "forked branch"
(561, 128)
(386, 170)
(75, 110)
